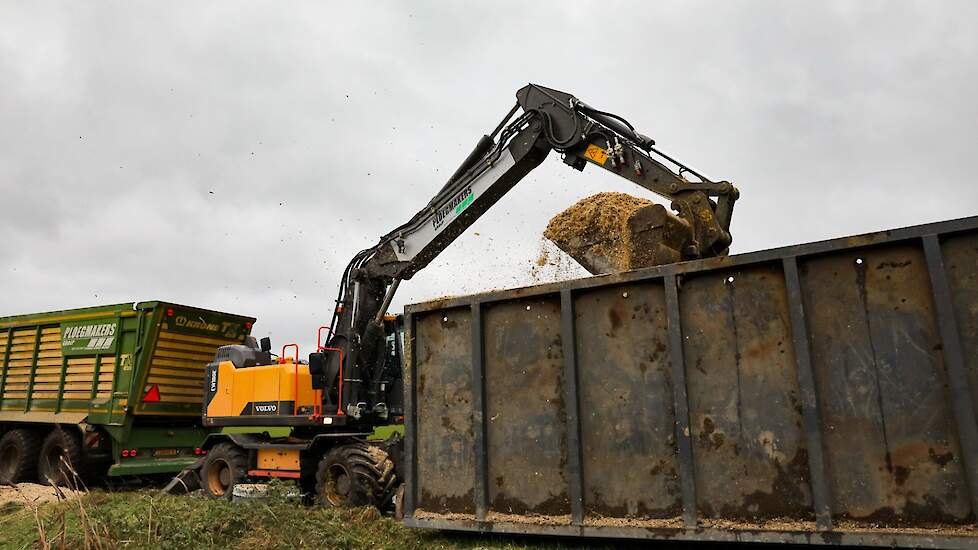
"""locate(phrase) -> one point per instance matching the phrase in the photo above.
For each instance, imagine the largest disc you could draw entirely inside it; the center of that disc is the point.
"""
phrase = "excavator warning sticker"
(596, 154)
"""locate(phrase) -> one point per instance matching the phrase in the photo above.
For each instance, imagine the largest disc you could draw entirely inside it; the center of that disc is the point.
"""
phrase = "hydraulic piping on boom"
(550, 120)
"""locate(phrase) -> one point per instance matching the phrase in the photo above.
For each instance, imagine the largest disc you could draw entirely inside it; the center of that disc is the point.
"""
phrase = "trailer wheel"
(355, 474)
(61, 462)
(19, 450)
(226, 465)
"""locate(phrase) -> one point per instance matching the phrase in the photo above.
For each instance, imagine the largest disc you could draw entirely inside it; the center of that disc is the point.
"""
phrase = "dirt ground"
(32, 493)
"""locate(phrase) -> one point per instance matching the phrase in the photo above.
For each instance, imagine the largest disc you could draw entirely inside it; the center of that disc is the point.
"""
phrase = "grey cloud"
(235, 155)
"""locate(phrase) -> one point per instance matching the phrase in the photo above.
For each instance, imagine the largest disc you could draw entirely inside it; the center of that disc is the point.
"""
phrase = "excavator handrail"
(295, 368)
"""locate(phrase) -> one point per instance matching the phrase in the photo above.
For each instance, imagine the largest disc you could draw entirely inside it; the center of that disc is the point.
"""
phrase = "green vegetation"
(273, 432)
(145, 519)
(381, 432)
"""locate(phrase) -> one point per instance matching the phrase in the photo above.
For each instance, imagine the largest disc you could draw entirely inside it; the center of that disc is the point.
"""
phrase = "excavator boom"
(550, 121)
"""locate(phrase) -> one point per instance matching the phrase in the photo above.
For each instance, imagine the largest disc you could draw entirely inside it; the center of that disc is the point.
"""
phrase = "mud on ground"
(32, 493)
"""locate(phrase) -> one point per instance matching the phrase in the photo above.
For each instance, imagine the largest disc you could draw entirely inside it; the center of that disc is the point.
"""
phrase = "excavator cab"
(246, 386)
(326, 449)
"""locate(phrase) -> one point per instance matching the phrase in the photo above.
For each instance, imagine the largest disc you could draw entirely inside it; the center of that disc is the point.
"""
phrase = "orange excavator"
(351, 383)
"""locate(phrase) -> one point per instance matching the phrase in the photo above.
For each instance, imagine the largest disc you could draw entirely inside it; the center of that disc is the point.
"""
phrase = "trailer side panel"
(823, 393)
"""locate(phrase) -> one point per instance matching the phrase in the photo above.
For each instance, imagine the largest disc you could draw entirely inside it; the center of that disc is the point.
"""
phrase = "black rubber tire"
(226, 465)
(355, 474)
(19, 450)
(307, 477)
(61, 461)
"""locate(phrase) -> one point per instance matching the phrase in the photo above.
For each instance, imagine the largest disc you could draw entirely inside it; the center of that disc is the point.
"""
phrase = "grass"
(146, 519)
(383, 432)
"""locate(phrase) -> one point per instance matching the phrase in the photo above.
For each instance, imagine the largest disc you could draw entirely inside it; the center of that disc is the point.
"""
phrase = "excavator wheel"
(19, 450)
(226, 465)
(355, 474)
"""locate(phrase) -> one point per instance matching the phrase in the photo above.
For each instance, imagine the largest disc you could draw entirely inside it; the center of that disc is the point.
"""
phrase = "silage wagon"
(113, 389)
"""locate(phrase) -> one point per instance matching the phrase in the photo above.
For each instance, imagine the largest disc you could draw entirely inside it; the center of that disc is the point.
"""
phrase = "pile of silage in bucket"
(613, 232)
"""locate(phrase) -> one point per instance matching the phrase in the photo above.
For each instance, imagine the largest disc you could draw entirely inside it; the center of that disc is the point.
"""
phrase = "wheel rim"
(219, 477)
(338, 485)
(8, 460)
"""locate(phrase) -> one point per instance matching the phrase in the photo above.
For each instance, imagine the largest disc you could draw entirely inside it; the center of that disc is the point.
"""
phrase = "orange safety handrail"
(320, 347)
(319, 337)
(295, 399)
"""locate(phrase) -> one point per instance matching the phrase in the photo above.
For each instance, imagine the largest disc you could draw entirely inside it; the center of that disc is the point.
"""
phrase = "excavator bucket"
(615, 232)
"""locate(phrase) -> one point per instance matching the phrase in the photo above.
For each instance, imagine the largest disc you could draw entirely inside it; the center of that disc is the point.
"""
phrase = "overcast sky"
(235, 155)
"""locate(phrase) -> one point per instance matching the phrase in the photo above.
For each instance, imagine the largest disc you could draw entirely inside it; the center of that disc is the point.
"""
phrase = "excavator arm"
(550, 120)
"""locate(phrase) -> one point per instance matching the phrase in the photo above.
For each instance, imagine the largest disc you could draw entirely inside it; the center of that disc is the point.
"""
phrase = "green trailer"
(113, 389)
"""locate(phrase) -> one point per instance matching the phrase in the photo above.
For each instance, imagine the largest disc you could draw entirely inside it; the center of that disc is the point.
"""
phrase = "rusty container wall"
(822, 393)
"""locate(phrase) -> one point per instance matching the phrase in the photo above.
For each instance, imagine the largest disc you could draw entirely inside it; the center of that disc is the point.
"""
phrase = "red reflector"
(152, 394)
(169, 312)
(248, 325)
(198, 451)
(125, 454)
(132, 453)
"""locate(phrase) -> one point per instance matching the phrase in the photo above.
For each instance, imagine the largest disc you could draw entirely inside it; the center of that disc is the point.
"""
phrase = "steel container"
(823, 393)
